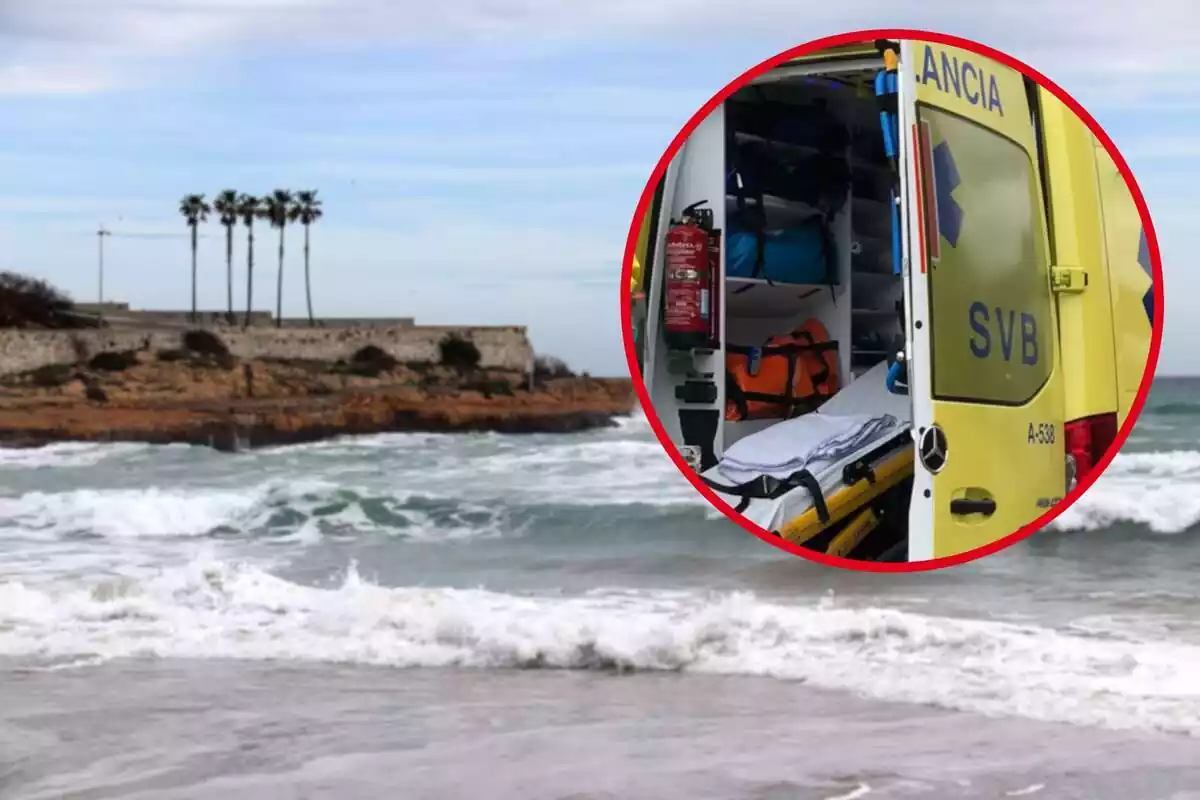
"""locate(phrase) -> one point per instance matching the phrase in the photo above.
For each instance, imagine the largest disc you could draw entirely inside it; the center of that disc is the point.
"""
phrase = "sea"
(486, 616)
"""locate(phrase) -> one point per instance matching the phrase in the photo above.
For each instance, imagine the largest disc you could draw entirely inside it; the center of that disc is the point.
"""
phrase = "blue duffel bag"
(797, 254)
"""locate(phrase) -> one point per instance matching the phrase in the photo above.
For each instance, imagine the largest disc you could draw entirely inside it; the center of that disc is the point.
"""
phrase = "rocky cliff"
(217, 400)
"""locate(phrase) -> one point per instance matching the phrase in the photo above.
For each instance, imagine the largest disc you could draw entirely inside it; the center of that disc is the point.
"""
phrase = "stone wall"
(119, 315)
(499, 347)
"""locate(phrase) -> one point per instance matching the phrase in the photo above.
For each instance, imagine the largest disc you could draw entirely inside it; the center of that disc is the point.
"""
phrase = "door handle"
(964, 506)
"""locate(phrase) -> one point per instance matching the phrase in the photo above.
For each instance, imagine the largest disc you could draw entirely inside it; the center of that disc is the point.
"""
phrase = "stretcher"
(800, 505)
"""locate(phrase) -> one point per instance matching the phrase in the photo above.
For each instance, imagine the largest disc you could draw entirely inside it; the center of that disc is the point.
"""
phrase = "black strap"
(860, 468)
(768, 487)
(821, 377)
(733, 391)
(783, 349)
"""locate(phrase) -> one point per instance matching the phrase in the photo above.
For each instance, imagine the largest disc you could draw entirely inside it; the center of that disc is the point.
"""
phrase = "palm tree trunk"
(229, 269)
(279, 285)
(307, 282)
(194, 226)
(249, 273)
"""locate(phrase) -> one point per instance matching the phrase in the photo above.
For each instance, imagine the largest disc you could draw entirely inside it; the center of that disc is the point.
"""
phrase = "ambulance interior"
(811, 245)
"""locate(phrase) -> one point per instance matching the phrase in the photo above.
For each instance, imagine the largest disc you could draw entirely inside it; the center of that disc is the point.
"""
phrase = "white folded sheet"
(859, 418)
(803, 442)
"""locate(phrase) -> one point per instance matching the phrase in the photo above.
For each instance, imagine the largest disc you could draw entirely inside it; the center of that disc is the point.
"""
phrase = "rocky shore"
(215, 400)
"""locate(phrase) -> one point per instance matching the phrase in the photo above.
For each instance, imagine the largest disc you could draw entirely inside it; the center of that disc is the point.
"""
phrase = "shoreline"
(581, 721)
(231, 406)
(231, 436)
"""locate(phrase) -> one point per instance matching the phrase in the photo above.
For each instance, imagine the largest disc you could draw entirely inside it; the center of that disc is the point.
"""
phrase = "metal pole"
(100, 234)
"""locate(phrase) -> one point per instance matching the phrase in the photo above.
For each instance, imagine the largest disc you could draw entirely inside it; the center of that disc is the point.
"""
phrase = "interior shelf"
(782, 210)
(857, 162)
(759, 299)
(792, 147)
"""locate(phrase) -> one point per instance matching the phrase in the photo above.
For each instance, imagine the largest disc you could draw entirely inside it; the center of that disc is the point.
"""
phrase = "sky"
(479, 160)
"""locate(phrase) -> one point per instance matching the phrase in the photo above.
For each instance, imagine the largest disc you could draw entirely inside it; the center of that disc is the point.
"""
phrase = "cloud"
(1161, 147)
(69, 46)
(73, 206)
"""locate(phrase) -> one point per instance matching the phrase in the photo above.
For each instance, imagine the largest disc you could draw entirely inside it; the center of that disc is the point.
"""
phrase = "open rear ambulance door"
(987, 402)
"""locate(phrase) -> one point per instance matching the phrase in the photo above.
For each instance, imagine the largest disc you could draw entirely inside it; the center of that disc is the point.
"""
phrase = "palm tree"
(308, 211)
(194, 210)
(279, 209)
(226, 205)
(249, 208)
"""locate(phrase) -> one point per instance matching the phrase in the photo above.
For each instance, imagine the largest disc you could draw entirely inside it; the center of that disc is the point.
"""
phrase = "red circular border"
(852, 38)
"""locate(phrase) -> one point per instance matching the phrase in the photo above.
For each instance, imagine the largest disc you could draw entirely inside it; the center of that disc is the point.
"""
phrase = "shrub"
(366, 370)
(52, 376)
(370, 361)
(551, 367)
(491, 388)
(172, 354)
(205, 343)
(32, 303)
(224, 361)
(458, 353)
(369, 354)
(113, 361)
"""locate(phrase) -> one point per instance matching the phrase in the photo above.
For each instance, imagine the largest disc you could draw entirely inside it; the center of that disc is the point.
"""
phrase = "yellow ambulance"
(975, 260)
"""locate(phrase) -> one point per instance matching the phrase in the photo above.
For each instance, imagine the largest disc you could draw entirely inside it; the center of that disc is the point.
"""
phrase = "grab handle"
(963, 506)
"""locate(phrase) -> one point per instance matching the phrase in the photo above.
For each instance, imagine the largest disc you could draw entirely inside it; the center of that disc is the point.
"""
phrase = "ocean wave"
(68, 454)
(306, 511)
(1159, 491)
(1158, 464)
(214, 609)
(1173, 409)
(303, 510)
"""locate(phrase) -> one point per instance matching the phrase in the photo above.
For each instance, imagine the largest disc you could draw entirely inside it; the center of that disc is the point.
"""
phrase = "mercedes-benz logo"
(933, 449)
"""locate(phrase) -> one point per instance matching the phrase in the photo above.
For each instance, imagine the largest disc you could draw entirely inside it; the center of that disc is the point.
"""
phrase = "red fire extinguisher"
(688, 317)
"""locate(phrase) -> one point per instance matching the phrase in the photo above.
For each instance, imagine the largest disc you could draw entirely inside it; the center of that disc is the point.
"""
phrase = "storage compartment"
(811, 240)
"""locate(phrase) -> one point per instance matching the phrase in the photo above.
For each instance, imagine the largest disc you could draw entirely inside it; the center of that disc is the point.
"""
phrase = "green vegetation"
(370, 361)
(195, 210)
(52, 376)
(226, 206)
(458, 353)
(32, 303)
(490, 387)
(205, 343)
(113, 361)
(545, 367)
(280, 208)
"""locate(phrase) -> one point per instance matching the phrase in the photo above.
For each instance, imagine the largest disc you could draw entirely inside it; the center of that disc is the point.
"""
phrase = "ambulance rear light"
(1087, 441)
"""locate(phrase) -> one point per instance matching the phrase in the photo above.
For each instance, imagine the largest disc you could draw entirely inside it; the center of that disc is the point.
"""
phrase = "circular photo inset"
(892, 300)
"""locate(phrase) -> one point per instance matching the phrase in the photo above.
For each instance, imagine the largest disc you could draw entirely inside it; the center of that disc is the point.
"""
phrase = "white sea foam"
(1160, 491)
(298, 510)
(66, 454)
(145, 513)
(215, 609)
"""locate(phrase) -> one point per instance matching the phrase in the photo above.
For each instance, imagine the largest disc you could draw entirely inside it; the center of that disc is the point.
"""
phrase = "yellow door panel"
(1130, 279)
(992, 349)
(639, 254)
(1089, 372)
